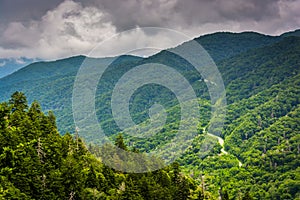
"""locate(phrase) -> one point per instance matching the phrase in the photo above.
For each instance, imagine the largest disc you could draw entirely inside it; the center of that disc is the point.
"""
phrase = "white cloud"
(67, 30)
(140, 41)
(20, 61)
(74, 28)
(2, 64)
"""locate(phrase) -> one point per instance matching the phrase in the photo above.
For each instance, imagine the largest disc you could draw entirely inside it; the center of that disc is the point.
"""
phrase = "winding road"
(221, 142)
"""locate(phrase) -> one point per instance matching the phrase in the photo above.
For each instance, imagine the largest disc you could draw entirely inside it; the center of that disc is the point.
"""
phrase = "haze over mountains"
(262, 78)
(51, 82)
(8, 66)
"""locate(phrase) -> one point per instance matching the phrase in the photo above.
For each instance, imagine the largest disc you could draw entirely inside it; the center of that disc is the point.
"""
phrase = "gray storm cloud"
(53, 29)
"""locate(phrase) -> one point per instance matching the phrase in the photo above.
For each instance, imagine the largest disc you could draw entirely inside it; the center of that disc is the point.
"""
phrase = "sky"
(53, 29)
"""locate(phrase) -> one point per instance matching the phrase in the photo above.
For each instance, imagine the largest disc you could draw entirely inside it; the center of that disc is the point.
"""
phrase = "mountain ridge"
(204, 42)
(261, 127)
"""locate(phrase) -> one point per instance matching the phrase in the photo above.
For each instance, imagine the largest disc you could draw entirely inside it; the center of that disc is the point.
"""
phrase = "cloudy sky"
(51, 29)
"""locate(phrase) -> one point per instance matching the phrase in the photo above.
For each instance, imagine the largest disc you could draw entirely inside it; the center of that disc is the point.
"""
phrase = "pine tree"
(18, 101)
(120, 142)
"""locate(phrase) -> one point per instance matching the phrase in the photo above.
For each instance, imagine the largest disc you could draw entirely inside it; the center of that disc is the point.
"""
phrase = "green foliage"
(258, 160)
(120, 142)
(37, 163)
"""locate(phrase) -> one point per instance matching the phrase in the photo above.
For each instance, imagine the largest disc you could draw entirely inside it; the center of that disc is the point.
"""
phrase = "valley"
(256, 153)
(221, 142)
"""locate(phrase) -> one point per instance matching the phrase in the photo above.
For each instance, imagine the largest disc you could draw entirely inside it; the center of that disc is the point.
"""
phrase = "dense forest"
(38, 163)
(257, 155)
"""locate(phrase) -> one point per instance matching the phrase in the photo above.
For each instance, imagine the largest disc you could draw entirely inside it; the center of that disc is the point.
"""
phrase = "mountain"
(51, 82)
(223, 45)
(8, 66)
(291, 33)
(260, 154)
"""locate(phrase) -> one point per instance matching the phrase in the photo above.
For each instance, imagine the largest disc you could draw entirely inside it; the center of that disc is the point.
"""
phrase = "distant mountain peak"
(291, 33)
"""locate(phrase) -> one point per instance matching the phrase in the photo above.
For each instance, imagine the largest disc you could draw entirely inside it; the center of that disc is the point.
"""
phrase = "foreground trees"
(37, 163)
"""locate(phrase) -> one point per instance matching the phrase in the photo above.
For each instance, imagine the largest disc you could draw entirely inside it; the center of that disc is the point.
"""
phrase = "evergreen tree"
(18, 101)
(120, 142)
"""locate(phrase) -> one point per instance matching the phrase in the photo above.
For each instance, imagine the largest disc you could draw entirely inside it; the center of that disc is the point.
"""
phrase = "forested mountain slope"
(51, 82)
(261, 131)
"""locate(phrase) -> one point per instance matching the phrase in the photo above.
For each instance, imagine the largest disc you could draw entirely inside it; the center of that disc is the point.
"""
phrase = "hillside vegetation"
(260, 155)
